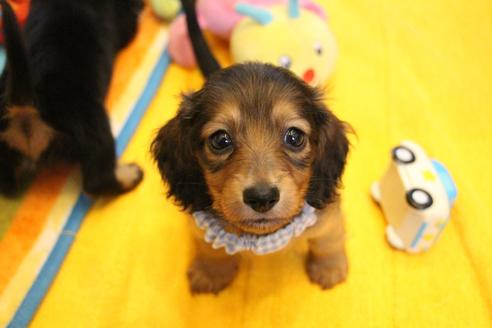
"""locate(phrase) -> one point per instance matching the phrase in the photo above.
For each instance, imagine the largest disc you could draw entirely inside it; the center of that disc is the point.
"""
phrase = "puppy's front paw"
(128, 176)
(327, 271)
(211, 277)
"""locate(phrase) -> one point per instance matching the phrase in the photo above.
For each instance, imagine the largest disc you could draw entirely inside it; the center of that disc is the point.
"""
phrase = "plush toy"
(21, 10)
(220, 16)
(166, 9)
(293, 38)
(416, 195)
(296, 37)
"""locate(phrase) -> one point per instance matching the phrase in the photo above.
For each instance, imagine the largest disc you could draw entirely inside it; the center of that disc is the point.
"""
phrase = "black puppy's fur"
(14, 89)
(71, 46)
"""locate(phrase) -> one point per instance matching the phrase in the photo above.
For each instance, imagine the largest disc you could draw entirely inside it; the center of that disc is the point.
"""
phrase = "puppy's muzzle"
(261, 197)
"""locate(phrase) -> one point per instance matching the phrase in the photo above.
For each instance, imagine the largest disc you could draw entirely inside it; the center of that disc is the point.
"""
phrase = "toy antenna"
(260, 15)
(293, 8)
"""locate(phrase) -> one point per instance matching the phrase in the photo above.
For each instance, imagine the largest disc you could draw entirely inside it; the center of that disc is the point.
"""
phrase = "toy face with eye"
(303, 44)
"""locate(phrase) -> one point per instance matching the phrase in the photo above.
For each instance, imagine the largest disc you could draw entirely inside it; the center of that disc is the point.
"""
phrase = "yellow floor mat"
(420, 70)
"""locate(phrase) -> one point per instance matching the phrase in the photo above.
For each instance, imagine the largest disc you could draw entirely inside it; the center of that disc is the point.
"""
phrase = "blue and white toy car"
(416, 195)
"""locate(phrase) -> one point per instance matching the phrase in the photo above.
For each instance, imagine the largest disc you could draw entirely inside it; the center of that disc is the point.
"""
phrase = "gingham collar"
(264, 244)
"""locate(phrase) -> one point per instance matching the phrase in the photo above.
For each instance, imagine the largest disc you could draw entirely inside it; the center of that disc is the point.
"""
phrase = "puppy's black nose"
(261, 198)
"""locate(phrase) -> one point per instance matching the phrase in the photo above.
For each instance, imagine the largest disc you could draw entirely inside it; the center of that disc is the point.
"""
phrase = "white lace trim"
(258, 244)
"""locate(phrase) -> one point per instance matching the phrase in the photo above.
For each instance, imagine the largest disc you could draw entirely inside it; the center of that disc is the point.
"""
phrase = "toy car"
(416, 195)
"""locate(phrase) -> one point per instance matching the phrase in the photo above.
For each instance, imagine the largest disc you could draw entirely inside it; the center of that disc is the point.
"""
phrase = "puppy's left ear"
(331, 148)
(174, 151)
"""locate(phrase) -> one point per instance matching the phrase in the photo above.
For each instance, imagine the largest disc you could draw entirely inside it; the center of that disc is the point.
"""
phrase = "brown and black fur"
(53, 91)
(256, 105)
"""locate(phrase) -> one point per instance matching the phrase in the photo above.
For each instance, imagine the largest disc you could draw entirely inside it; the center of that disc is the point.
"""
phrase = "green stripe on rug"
(8, 207)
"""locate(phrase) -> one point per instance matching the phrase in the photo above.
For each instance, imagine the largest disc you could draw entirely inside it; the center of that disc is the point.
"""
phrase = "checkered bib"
(258, 244)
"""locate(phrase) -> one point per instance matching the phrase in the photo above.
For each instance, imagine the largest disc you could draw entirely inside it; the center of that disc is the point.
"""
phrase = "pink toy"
(220, 18)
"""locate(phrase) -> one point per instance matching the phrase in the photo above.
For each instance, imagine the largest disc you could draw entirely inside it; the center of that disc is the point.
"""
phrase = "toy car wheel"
(419, 199)
(404, 155)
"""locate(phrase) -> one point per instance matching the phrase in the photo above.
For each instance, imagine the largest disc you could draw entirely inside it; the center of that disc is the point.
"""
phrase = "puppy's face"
(256, 161)
(254, 144)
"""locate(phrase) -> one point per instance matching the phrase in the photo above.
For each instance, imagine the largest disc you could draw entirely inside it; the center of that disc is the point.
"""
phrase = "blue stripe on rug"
(48, 272)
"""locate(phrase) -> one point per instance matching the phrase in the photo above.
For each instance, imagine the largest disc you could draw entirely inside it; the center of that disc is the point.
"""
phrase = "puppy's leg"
(8, 163)
(127, 14)
(327, 263)
(212, 270)
(16, 171)
(100, 173)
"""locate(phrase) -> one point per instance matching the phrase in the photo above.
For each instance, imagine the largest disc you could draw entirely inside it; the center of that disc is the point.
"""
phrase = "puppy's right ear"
(173, 150)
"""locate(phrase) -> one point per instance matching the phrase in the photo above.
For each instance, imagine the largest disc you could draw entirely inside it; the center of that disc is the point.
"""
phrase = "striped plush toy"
(288, 33)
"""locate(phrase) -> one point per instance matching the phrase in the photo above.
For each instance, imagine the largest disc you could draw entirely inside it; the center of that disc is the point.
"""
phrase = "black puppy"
(52, 93)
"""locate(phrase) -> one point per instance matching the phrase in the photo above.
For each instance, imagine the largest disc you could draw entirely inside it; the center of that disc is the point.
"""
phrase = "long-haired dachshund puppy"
(257, 158)
(52, 93)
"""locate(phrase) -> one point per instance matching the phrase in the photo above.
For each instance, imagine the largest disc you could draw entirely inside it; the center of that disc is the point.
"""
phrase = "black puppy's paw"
(8, 185)
(128, 176)
(16, 176)
(124, 179)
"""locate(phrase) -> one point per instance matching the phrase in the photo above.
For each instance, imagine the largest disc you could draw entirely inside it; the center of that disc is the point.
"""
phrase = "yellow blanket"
(408, 69)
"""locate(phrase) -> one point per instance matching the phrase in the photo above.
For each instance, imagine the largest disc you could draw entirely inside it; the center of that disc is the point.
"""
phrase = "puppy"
(252, 147)
(52, 93)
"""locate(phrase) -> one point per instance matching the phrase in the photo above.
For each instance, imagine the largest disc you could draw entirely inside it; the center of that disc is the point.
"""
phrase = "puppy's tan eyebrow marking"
(300, 124)
(285, 114)
(227, 117)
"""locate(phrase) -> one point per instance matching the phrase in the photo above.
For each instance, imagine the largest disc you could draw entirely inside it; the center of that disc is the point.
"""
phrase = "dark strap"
(206, 60)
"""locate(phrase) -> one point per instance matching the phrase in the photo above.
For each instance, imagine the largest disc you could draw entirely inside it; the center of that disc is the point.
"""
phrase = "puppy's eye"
(294, 138)
(285, 61)
(220, 141)
(318, 48)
